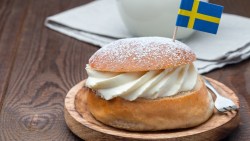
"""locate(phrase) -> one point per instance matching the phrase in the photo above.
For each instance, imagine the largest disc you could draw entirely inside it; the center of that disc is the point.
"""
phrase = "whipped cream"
(150, 84)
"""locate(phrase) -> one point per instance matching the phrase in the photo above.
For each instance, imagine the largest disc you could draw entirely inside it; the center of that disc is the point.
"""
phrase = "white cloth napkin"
(99, 23)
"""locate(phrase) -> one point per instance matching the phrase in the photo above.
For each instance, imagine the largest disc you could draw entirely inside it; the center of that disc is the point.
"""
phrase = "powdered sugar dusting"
(141, 54)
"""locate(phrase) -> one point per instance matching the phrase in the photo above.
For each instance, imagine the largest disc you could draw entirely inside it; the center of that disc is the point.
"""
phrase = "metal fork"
(221, 103)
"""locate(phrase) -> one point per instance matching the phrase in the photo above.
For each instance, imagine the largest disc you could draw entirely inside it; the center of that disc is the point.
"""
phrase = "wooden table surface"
(38, 66)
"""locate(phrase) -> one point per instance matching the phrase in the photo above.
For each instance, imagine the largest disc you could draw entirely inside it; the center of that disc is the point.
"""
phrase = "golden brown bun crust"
(141, 54)
(181, 111)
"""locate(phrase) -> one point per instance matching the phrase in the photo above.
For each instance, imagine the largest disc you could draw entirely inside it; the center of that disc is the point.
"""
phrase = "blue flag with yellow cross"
(199, 15)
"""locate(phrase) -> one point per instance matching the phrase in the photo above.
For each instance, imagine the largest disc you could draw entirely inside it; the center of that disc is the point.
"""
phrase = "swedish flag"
(199, 15)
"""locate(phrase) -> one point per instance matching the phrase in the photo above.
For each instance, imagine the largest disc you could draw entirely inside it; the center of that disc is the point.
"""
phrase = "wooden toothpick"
(175, 32)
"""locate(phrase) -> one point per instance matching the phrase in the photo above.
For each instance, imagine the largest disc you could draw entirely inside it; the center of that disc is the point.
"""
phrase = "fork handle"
(211, 87)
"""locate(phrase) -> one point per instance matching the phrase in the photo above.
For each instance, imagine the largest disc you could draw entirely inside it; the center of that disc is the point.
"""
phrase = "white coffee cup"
(151, 17)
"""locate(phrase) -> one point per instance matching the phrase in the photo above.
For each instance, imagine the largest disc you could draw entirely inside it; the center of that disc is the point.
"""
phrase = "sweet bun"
(186, 109)
(141, 54)
(151, 107)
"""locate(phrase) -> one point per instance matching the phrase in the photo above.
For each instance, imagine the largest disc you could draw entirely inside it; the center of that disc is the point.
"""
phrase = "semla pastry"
(145, 84)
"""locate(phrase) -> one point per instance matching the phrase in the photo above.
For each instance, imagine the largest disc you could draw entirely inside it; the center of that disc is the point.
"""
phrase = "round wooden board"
(87, 128)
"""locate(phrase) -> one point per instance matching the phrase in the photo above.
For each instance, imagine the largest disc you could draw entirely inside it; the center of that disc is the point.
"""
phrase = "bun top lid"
(141, 54)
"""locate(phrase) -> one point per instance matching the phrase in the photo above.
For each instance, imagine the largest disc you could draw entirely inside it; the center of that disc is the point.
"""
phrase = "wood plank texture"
(38, 66)
(47, 64)
(9, 37)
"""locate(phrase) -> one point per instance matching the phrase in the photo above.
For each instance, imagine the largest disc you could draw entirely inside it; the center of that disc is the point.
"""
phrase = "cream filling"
(150, 84)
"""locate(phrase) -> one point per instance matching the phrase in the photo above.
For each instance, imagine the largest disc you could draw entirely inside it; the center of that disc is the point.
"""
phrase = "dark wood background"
(38, 66)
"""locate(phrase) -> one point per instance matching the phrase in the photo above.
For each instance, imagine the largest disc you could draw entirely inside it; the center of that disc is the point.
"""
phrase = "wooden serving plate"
(87, 128)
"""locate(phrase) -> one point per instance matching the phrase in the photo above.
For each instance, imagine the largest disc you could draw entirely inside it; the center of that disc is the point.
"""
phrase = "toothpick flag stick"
(175, 32)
